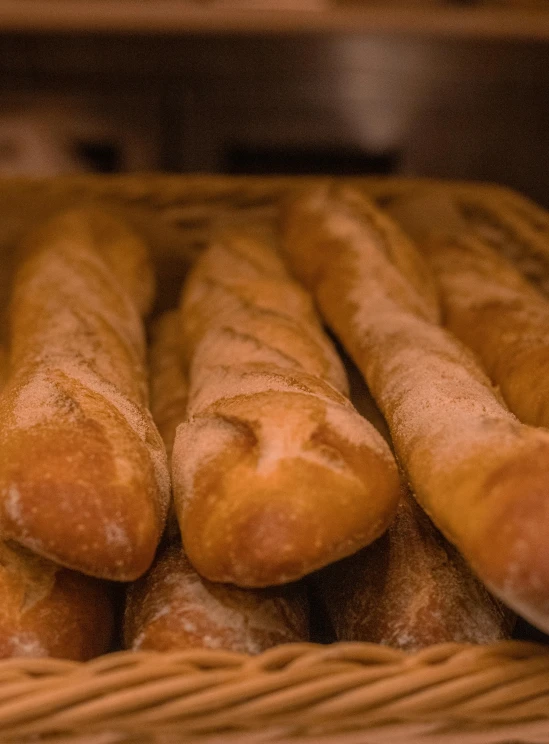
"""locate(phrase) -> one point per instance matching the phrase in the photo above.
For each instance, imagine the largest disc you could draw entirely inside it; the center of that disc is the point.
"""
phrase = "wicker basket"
(335, 694)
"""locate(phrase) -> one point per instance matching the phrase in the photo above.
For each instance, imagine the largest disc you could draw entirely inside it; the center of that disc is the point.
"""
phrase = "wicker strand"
(298, 689)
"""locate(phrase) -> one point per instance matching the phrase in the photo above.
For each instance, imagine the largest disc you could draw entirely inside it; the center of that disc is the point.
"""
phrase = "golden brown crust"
(173, 608)
(410, 588)
(83, 476)
(488, 305)
(479, 473)
(46, 610)
(352, 219)
(274, 473)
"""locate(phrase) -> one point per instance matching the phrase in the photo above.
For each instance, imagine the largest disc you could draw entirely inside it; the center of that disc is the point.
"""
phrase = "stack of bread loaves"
(284, 491)
(83, 472)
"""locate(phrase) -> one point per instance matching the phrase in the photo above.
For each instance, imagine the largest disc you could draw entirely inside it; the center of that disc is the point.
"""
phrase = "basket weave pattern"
(297, 689)
(338, 694)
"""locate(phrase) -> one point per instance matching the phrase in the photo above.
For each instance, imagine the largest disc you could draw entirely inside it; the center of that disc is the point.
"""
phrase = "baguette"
(46, 610)
(274, 472)
(488, 305)
(410, 589)
(83, 471)
(172, 607)
(479, 473)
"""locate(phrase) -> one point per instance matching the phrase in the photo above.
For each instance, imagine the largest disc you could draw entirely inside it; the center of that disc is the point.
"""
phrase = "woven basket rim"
(297, 689)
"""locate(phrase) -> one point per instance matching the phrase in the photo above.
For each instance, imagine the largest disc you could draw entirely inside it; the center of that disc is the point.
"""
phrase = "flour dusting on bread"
(78, 442)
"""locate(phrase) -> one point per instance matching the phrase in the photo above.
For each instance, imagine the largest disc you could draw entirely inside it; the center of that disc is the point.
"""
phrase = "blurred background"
(424, 87)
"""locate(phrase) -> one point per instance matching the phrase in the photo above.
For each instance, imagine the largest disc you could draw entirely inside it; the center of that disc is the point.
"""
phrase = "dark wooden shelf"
(177, 17)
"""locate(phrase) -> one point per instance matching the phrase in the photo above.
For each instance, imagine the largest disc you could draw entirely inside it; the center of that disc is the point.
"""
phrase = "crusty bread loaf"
(83, 472)
(509, 222)
(172, 607)
(274, 473)
(488, 304)
(410, 588)
(46, 610)
(479, 473)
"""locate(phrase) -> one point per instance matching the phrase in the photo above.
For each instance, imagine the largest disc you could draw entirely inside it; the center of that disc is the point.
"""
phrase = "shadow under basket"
(341, 693)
